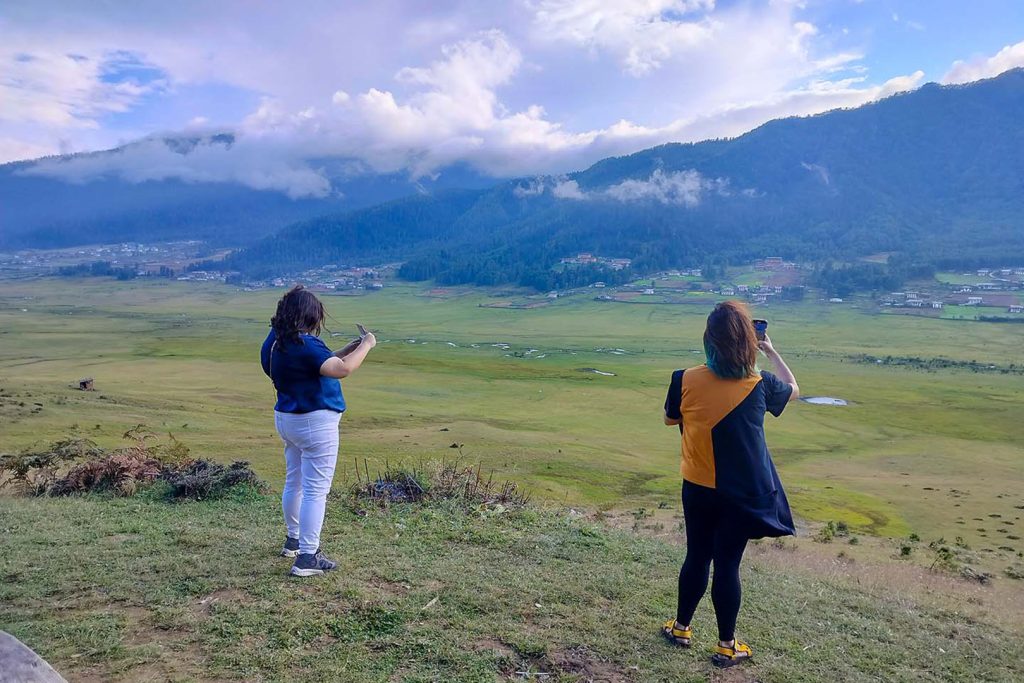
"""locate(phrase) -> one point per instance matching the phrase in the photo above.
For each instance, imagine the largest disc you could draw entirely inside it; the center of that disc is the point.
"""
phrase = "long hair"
(298, 312)
(730, 342)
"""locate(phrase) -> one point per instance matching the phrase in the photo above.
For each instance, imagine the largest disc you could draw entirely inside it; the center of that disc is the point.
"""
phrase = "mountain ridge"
(935, 175)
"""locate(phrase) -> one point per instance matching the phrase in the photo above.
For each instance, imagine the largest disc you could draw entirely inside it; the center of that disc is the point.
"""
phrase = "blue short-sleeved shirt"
(295, 371)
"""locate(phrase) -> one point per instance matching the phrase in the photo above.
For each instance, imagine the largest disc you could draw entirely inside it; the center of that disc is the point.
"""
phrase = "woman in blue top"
(307, 415)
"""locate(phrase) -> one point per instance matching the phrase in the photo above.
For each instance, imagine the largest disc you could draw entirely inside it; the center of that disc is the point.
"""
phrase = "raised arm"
(348, 348)
(340, 368)
(781, 369)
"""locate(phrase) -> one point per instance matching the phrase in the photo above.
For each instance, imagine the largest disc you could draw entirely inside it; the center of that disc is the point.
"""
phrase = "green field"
(939, 454)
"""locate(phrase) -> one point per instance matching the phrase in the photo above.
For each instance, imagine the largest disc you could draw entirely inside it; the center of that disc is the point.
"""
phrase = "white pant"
(310, 455)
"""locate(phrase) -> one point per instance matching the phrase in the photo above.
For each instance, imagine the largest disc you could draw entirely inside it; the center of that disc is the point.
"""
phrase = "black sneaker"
(307, 564)
(291, 547)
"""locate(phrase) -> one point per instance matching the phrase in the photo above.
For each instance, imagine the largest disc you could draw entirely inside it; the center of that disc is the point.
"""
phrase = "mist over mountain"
(170, 188)
(934, 176)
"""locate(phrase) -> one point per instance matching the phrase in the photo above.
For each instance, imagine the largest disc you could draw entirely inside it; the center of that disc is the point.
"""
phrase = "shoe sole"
(672, 640)
(289, 553)
(726, 662)
(305, 572)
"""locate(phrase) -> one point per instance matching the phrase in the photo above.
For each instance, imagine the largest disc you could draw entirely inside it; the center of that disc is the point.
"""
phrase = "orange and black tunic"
(724, 446)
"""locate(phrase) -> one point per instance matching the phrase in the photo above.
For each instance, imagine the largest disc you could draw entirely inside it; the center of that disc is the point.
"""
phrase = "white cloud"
(568, 189)
(256, 164)
(534, 187)
(560, 86)
(686, 188)
(1010, 57)
(642, 34)
(66, 90)
(13, 149)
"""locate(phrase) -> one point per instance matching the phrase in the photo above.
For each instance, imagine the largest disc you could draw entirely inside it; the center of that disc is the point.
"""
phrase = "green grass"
(182, 358)
(136, 589)
(976, 312)
(961, 278)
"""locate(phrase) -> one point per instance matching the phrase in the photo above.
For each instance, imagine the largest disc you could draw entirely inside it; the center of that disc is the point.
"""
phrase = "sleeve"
(776, 393)
(317, 352)
(675, 396)
(265, 351)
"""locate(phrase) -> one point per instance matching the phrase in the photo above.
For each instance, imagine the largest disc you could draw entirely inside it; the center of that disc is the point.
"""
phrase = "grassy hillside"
(135, 589)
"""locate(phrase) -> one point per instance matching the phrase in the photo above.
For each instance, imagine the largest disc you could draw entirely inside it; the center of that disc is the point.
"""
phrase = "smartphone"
(760, 327)
(362, 330)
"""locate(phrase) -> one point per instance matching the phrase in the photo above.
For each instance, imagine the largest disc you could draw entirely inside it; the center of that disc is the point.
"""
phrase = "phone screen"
(761, 327)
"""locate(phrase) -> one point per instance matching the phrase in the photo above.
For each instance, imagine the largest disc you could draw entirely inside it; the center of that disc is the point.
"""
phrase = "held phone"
(760, 327)
(362, 330)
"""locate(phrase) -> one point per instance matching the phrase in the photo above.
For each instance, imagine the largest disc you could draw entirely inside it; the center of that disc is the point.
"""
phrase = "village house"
(937, 304)
(973, 301)
(1015, 308)
(728, 291)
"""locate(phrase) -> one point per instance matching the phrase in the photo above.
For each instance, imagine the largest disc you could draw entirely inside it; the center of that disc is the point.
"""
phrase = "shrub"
(444, 481)
(205, 479)
(121, 473)
(34, 472)
(826, 533)
(77, 465)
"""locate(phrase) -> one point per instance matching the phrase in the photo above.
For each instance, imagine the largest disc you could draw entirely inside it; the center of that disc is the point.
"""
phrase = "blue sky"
(511, 88)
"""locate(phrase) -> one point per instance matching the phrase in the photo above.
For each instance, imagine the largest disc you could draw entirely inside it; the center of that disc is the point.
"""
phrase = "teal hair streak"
(711, 359)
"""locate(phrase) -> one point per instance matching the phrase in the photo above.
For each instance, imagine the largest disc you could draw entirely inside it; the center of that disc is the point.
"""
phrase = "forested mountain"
(40, 207)
(935, 176)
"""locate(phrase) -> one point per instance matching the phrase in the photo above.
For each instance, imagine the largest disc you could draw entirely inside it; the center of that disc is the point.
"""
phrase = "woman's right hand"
(766, 345)
(369, 340)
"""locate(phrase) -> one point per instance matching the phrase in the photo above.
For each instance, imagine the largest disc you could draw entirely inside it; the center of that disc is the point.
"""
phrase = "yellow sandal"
(677, 636)
(731, 656)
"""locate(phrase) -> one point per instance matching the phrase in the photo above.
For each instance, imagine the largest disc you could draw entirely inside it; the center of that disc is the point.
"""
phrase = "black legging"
(710, 538)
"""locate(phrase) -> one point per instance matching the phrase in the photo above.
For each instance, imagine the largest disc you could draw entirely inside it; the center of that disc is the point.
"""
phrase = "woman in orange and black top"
(731, 491)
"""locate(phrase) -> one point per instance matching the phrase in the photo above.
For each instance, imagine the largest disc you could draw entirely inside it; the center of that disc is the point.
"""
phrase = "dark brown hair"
(730, 342)
(298, 312)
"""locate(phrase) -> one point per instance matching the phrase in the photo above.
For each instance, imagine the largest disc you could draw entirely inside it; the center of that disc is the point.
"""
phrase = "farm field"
(936, 453)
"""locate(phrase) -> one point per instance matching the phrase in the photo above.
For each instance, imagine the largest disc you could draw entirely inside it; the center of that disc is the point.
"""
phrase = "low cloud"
(568, 189)
(818, 170)
(682, 188)
(685, 188)
(1010, 57)
(261, 165)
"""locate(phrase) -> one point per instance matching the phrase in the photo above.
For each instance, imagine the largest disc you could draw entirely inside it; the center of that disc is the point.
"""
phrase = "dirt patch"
(737, 674)
(580, 661)
(223, 596)
(386, 588)
(496, 646)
